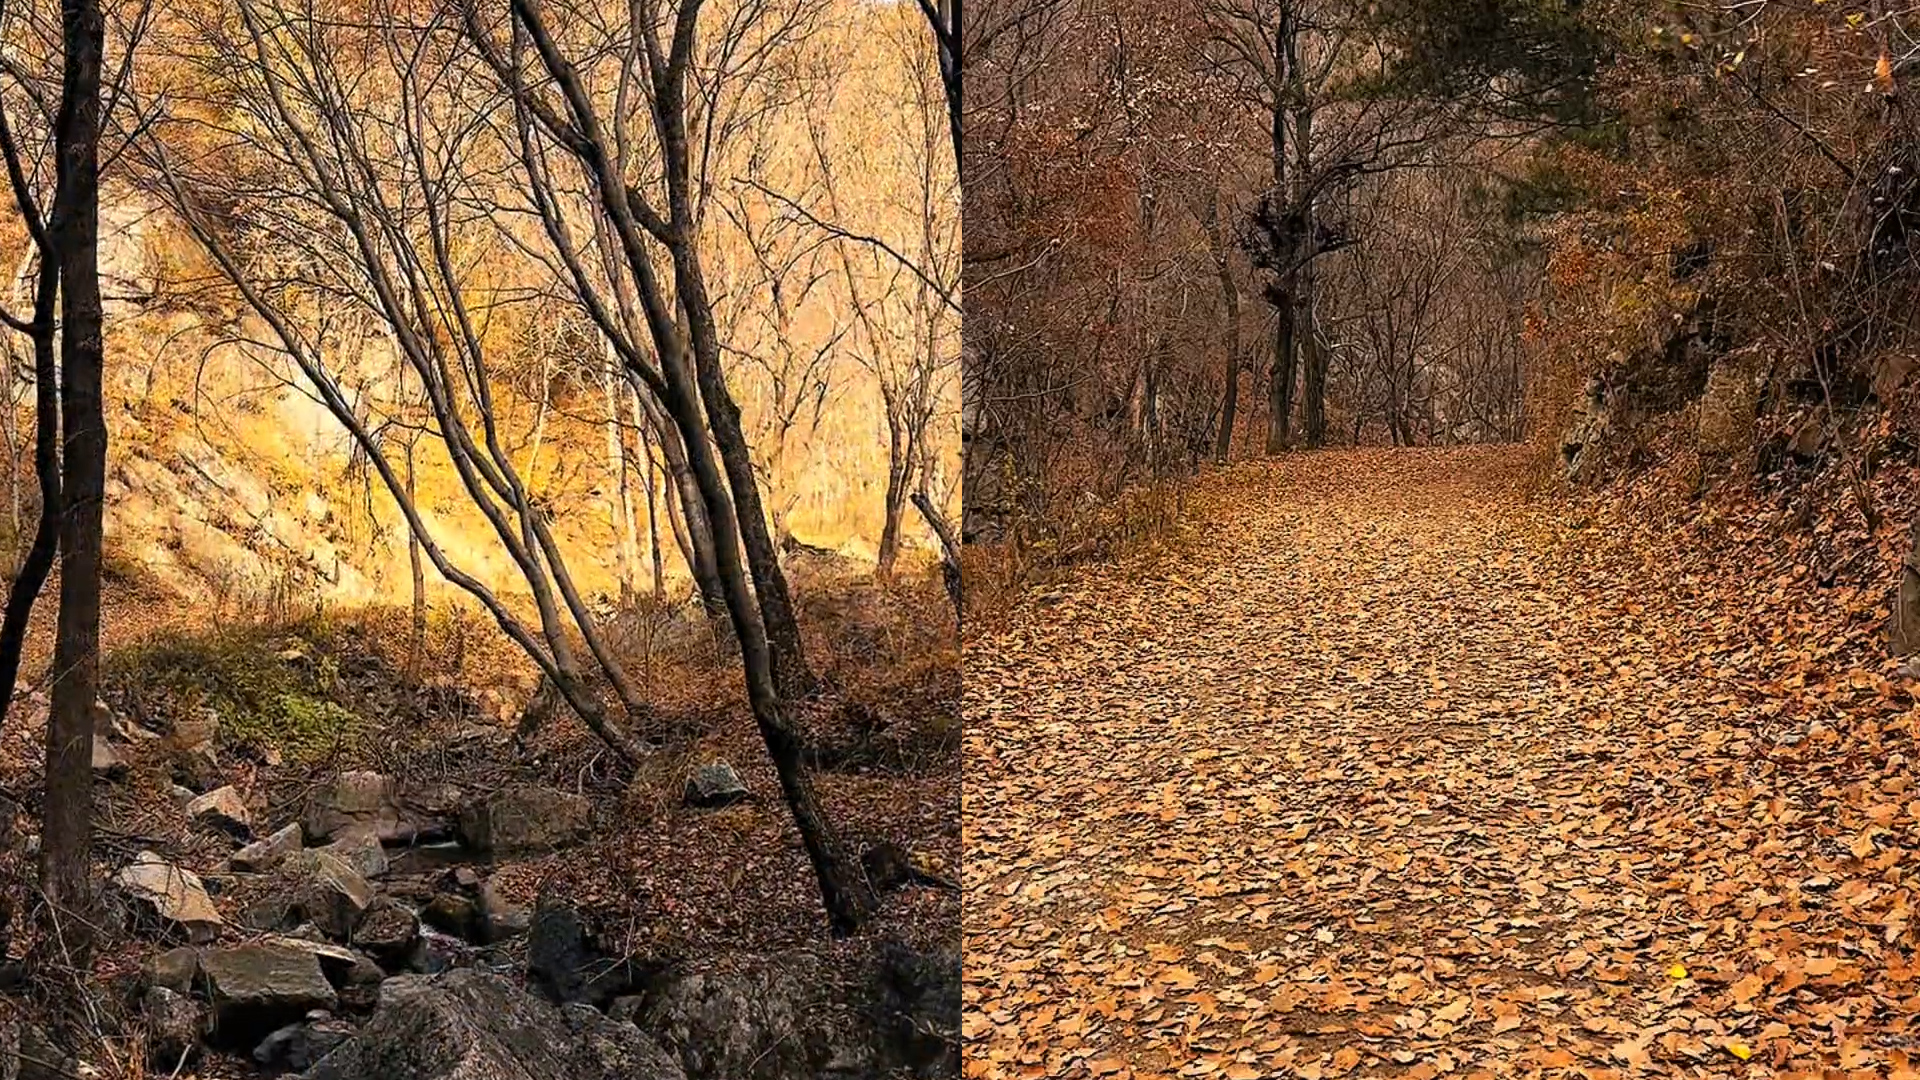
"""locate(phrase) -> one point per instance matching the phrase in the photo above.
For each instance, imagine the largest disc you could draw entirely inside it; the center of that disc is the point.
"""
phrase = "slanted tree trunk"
(67, 828)
(690, 526)
(34, 569)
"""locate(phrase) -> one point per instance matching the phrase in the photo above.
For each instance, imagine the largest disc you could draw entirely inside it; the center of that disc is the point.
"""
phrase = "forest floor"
(1400, 770)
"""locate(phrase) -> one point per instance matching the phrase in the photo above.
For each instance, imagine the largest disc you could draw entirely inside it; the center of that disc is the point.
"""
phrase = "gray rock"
(172, 970)
(174, 1023)
(298, 1047)
(266, 854)
(524, 818)
(327, 892)
(258, 988)
(500, 918)
(387, 933)
(715, 784)
(360, 849)
(454, 914)
(794, 1015)
(173, 897)
(108, 762)
(566, 962)
(373, 802)
(223, 809)
(470, 1025)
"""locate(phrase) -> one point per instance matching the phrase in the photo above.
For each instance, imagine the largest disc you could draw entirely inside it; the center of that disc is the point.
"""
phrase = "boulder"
(223, 809)
(174, 1024)
(266, 854)
(191, 755)
(387, 933)
(258, 988)
(172, 970)
(501, 919)
(524, 818)
(327, 892)
(297, 1047)
(455, 914)
(108, 762)
(715, 784)
(470, 1025)
(797, 1015)
(567, 963)
(173, 897)
(373, 802)
(360, 849)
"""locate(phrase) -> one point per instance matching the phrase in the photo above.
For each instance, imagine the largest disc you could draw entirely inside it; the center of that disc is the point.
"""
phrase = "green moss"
(270, 687)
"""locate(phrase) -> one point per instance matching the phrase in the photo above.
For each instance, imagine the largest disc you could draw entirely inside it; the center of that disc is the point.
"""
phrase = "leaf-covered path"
(1368, 782)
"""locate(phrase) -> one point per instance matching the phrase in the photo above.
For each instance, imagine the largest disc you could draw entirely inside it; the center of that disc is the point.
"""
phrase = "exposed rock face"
(258, 988)
(170, 895)
(468, 1025)
(524, 818)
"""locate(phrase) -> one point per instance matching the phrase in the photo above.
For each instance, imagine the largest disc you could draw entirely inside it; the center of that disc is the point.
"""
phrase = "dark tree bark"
(944, 17)
(1230, 296)
(1280, 378)
(31, 579)
(68, 810)
(688, 380)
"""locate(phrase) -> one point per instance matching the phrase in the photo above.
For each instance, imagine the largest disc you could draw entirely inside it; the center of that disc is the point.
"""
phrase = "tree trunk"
(32, 578)
(792, 676)
(899, 466)
(417, 644)
(1280, 381)
(1223, 448)
(621, 505)
(699, 533)
(68, 811)
(1313, 363)
(653, 516)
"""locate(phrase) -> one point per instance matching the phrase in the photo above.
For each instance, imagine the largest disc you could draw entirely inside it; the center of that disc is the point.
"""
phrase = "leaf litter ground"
(1396, 771)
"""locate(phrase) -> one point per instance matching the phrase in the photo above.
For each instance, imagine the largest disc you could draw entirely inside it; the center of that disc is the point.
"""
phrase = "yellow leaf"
(1740, 1050)
(1678, 971)
(1855, 19)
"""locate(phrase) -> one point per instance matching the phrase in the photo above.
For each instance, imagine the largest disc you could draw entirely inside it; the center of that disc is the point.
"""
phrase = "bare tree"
(499, 132)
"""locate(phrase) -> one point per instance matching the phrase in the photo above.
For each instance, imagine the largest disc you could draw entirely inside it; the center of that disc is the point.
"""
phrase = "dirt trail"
(1365, 784)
